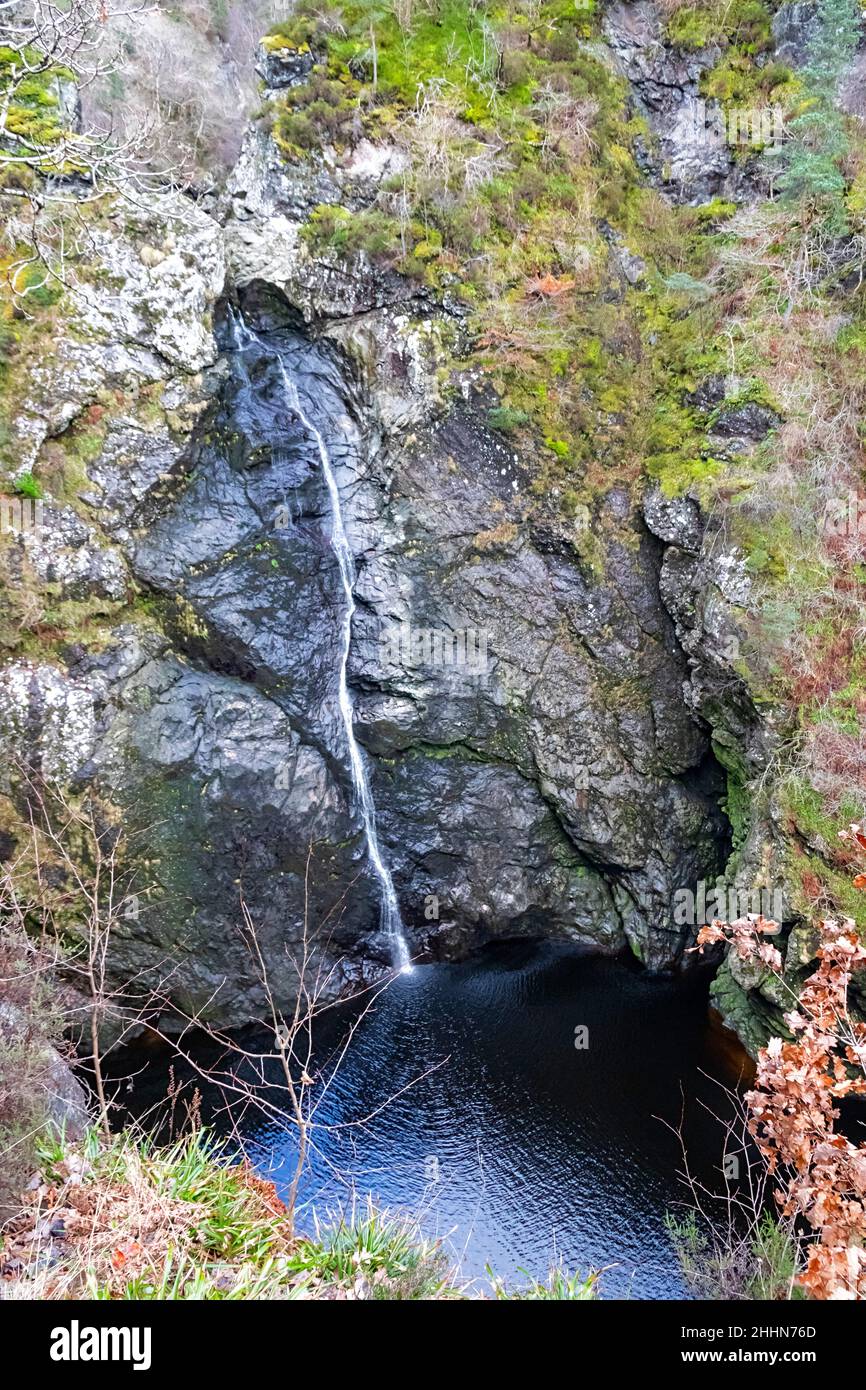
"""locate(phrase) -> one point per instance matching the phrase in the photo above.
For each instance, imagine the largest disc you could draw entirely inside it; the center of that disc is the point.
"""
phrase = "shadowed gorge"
(431, 651)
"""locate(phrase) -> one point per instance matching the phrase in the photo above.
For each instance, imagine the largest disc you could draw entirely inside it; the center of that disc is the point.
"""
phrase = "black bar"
(221, 1339)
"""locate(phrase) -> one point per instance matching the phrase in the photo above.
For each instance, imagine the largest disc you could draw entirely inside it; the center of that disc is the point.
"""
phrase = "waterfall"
(391, 921)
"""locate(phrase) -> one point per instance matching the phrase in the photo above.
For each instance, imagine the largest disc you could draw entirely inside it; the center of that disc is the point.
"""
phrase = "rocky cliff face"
(665, 86)
(566, 782)
(556, 784)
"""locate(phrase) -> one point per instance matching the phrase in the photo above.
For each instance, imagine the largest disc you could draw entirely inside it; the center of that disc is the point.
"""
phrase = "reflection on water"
(514, 1144)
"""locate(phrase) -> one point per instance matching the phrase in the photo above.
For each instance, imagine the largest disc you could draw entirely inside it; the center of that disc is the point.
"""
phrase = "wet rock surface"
(552, 781)
(283, 67)
(556, 779)
(557, 785)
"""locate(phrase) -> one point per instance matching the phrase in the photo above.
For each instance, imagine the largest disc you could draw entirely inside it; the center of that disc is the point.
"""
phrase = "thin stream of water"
(391, 921)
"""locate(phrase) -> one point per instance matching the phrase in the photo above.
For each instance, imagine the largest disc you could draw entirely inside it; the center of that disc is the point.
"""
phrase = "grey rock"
(224, 798)
(146, 319)
(67, 554)
(709, 596)
(564, 787)
(749, 422)
(710, 393)
(60, 1097)
(523, 876)
(396, 355)
(694, 164)
(576, 722)
(735, 424)
(47, 721)
(794, 28)
(269, 202)
(675, 520)
(68, 95)
(283, 67)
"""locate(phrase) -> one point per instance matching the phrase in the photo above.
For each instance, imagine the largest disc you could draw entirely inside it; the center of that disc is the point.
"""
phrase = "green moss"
(743, 25)
(715, 211)
(183, 619)
(737, 81)
(560, 447)
(447, 42)
(32, 117)
(27, 486)
(737, 806)
(818, 827)
(340, 232)
(495, 68)
(851, 338)
(301, 33)
(747, 1013)
(38, 287)
(751, 392)
(748, 25)
(322, 110)
(506, 419)
(86, 444)
(675, 447)
(691, 28)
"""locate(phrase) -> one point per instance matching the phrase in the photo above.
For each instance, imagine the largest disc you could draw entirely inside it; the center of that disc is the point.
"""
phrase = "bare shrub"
(189, 77)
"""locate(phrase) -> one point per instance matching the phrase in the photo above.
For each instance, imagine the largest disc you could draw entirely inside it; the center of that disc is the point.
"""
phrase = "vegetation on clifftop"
(512, 141)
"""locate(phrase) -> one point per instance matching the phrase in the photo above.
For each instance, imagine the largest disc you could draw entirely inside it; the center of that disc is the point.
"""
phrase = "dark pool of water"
(513, 1144)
